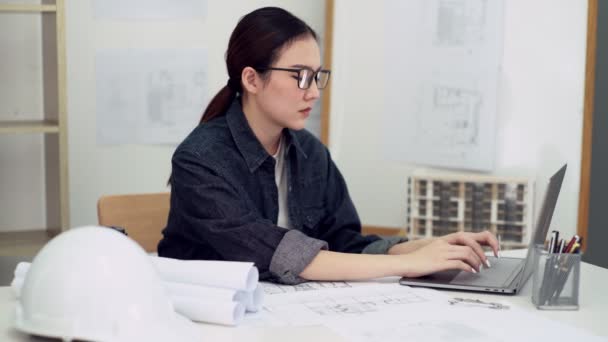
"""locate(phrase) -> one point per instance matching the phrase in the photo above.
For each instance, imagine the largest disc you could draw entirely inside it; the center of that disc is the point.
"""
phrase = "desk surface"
(590, 317)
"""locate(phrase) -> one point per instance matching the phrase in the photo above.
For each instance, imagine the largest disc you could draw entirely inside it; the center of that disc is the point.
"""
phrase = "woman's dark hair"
(256, 41)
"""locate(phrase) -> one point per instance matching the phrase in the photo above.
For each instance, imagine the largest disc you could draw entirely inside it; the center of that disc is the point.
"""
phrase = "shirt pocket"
(311, 191)
(312, 217)
(311, 180)
(311, 198)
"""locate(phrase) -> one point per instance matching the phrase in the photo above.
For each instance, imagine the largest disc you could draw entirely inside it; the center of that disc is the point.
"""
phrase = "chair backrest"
(142, 215)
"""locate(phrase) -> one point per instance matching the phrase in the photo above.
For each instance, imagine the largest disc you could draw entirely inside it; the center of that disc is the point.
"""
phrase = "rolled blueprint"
(226, 274)
(21, 269)
(254, 299)
(199, 310)
(16, 286)
(223, 274)
(200, 303)
(207, 293)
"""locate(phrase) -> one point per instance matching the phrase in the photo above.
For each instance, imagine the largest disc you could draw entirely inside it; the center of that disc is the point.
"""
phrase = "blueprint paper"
(149, 9)
(202, 303)
(224, 274)
(387, 311)
(149, 96)
(179, 276)
(442, 70)
(254, 300)
(205, 292)
(199, 310)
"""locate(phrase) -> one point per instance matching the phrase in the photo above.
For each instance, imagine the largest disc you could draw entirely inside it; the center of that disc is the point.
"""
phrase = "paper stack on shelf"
(204, 291)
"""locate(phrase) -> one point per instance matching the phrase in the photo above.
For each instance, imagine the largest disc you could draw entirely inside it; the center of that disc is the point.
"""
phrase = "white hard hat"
(94, 283)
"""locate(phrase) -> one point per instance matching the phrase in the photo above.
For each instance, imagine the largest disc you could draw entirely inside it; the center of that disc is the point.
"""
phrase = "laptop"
(507, 275)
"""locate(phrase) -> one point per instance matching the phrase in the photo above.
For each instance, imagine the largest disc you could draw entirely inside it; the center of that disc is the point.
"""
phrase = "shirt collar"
(248, 144)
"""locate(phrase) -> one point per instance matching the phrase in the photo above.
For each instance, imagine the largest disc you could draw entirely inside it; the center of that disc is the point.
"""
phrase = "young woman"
(251, 184)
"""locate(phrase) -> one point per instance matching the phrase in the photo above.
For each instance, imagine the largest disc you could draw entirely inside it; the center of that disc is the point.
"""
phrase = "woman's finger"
(459, 265)
(488, 239)
(473, 243)
(468, 239)
(466, 254)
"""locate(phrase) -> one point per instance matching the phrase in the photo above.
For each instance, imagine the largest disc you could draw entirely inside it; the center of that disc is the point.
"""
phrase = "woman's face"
(280, 99)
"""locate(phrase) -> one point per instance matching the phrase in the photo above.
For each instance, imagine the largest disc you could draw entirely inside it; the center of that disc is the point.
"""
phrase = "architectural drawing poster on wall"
(442, 68)
(149, 96)
(149, 9)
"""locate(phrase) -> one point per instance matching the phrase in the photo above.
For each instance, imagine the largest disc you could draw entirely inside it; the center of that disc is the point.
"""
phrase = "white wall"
(539, 118)
(540, 104)
(98, 170)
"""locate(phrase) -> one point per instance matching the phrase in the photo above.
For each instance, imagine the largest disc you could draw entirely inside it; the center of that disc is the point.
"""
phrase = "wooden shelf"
(53, 118)
(27, 8)
(34, 126)
(24, 242)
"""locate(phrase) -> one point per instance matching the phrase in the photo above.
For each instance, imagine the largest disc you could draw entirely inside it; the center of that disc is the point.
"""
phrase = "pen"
(550, 265)
(576, 248)
(546, 274)
(552, 242)
(499, 244)
(559, 272)
(571, 243)
(556, 242)
(565, 270)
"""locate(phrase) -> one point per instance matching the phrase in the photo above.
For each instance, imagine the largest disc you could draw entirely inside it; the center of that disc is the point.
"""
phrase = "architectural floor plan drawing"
(384, 311)
(442, 72)
(326, 303)
(361, 305)
(272, 288)
(451, 117)
(460, 22)
(149, 96)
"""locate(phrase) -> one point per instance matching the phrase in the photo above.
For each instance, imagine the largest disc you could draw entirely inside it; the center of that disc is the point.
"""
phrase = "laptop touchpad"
(497, 275)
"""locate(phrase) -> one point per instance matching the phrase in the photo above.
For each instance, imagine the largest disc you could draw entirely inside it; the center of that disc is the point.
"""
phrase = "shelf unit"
(52, 122)
(440, 204)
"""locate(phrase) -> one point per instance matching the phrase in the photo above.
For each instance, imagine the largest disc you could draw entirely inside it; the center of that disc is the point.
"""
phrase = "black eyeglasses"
(306, 75)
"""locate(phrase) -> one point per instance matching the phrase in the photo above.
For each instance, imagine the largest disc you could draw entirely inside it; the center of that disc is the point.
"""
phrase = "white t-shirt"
(280, 178)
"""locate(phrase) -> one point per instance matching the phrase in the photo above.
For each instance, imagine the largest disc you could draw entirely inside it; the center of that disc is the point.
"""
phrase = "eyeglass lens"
(306, 77)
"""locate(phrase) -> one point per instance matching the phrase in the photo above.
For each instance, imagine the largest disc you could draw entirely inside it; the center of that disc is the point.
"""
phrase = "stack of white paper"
(204, 291)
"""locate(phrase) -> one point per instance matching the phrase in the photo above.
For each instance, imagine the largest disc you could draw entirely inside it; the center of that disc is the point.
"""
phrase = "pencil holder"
(556, 280)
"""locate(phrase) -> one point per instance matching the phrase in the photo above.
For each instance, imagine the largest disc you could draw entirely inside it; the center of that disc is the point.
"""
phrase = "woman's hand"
(412, 259)
(460, 250)
(475, 241)
(461, 238)
(439, 255)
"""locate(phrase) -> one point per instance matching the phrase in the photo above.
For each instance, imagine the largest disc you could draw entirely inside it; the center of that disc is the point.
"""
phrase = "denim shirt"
(224, 201)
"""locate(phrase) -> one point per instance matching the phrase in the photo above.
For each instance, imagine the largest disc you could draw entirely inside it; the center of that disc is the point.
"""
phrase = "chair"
(143, 216)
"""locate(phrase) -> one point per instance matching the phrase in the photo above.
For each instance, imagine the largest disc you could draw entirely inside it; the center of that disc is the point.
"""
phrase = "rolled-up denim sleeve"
(293, 254)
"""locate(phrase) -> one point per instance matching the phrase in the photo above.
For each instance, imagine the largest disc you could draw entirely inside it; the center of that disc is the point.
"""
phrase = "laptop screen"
(544, 220)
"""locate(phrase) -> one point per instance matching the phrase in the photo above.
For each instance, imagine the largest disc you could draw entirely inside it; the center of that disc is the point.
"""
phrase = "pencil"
(499, 244)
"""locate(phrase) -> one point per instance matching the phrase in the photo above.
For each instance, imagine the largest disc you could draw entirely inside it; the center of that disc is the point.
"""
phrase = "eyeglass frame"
(299, 70)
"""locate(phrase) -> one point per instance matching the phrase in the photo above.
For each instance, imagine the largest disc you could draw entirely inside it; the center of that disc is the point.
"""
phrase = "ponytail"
(256, 41)
(220, 103)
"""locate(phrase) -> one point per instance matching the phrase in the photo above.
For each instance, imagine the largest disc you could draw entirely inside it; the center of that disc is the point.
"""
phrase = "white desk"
(590, 317)
(593, 301)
